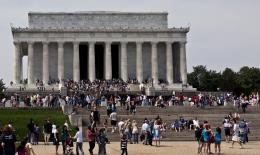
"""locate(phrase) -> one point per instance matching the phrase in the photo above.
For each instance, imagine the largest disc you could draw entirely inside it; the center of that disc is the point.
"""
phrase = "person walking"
(123, 145)
(8, 140)
(79, 141)
(236, 137)
(113, 118)
(91, 139)
(25, 148)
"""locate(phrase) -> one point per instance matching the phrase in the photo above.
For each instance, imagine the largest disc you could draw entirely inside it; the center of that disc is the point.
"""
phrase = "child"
(217, 140)
(21, 148)
(124, 145)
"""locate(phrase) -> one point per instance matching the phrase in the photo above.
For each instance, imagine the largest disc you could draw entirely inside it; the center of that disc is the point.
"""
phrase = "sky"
(223, 33)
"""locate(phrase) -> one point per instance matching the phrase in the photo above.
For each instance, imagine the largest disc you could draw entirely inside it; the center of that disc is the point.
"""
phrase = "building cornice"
(97, 13)
(75, 30)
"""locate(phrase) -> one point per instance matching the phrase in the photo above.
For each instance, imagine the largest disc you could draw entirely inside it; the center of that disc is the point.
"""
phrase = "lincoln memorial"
(101, 45)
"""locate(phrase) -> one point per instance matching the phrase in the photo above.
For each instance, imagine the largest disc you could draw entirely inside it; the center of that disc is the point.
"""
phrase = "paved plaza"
(167, 148)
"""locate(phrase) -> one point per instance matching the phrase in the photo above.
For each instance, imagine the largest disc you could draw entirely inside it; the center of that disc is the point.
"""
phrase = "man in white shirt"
(195, 123)
(120, 126)
(79, 141)
(113, 118)
(145, 131)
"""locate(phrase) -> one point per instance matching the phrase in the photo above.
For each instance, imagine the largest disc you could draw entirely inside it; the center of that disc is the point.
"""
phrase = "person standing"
(123, 145)
(64, 137)
(102, 140)
(47, 127)
(79, 141)
(227, 126)
(157, 133)
(56, 138)
(135, 131)
(30, 127)
(236, 137)
(217, 138)
(8, 140)
(91, 139)
(96, 116)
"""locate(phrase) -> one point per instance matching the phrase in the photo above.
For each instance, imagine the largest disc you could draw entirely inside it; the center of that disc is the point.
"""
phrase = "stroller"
(69, 146)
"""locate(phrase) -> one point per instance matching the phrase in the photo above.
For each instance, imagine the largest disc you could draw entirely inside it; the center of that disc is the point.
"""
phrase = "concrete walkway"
(167, 148)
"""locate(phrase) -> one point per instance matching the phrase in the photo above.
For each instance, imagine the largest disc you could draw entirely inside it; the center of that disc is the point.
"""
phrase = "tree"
(249, 79)
(204, 80)
(196, 77)
(229, 81)
(2, 88)
(245, 81)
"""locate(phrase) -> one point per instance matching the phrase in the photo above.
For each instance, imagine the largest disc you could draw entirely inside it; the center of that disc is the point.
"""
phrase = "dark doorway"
(83, 59)
(115, 60)
(99, 61)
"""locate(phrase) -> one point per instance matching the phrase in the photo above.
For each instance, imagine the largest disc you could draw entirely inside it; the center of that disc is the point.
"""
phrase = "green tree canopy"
(2, 87)
(246, 80)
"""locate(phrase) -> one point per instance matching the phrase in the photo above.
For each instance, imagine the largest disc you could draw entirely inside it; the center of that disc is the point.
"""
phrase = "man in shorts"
(113, 118)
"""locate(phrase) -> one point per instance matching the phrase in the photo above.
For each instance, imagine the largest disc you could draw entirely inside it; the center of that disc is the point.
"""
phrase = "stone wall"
(98, 20)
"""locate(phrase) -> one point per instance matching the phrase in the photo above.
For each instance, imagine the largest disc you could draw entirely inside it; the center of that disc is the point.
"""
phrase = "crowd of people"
(101, 86)
(34, 100)
(232, 125)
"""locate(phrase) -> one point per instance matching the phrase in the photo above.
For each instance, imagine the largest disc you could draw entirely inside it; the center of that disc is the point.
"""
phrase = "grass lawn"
(20, 118)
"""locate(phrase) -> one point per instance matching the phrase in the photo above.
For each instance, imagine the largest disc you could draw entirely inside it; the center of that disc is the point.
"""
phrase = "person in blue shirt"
(217, 136)
(206, 138)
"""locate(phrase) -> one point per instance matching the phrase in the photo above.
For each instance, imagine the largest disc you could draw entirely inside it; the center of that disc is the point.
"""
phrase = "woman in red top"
(91, 139)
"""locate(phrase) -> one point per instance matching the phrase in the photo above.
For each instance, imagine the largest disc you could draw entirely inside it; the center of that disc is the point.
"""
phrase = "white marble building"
(102, 45)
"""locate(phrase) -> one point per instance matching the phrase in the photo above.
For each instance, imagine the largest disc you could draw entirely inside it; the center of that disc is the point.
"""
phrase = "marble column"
(169, 63)
(45, 63)
(91, 61)
(31, 79)
(76, 65)
(108, 61)
(61, 62)
(139, 62)
(17, 63)
(183, 63)
(124, 73)
(154, 63)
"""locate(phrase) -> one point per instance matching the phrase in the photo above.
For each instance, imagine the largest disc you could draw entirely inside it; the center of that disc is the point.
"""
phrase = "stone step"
(176, 110)
(214, 115)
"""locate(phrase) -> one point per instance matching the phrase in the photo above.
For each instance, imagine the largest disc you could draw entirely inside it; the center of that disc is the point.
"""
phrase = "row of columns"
(108, 62)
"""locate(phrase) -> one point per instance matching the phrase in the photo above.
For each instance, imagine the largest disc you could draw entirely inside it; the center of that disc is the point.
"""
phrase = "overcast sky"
(224, 33)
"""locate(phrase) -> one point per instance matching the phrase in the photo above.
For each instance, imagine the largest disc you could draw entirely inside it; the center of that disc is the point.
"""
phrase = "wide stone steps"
(177, 110)
(180, 136)
(214, 115)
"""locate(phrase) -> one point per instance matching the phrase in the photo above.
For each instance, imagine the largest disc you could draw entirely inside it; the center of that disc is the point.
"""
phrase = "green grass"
(20, 118)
